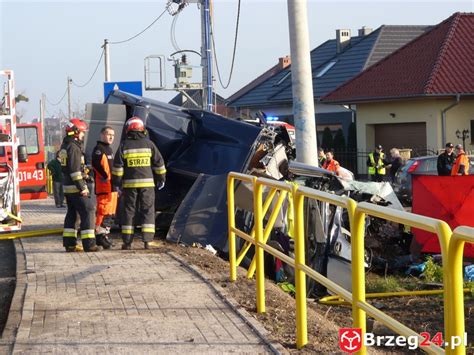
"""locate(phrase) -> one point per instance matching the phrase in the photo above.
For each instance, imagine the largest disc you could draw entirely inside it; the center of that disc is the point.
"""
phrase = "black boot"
(93, 248)
(127, 242)
(104, 241)
(90, 245)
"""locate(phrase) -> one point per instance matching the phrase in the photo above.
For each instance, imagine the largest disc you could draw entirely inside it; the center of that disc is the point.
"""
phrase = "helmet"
(134, 124)
(75, 126)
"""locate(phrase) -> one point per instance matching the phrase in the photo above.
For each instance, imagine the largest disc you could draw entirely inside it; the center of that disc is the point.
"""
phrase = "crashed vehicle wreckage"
(200, 148)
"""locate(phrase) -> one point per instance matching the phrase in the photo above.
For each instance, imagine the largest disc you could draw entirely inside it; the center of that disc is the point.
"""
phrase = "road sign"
(132, 87)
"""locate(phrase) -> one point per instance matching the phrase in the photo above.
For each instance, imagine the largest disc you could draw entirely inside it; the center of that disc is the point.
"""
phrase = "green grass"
(376, 284)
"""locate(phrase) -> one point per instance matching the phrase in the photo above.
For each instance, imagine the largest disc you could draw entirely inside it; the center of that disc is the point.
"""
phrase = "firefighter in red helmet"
(138, 168)
(77, 194)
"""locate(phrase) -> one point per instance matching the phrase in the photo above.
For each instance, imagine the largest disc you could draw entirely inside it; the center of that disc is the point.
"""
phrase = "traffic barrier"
(461, 235)
(454, 325)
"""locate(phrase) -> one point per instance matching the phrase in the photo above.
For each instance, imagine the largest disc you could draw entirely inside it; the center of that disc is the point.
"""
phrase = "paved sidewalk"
(123, 302)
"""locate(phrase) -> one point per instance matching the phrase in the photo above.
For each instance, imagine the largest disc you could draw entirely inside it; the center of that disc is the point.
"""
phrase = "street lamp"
(464, 135)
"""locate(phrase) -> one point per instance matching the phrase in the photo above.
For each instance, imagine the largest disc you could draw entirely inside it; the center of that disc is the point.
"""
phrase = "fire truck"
(32, 173)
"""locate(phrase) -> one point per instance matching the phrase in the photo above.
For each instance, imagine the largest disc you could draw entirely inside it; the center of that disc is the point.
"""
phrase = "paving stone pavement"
(122, 302)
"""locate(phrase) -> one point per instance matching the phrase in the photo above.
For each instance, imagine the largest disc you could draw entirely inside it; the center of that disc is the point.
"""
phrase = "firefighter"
(102, 161)
(461, 165)
(138, 164)
(376, 164)
(75, 188)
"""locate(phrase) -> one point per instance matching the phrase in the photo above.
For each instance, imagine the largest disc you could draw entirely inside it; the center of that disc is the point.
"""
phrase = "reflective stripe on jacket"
(138, 163)
(72, 161)
(373, 166)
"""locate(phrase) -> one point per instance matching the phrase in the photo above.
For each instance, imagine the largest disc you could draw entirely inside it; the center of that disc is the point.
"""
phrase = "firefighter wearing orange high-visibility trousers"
(138, 168)
(77, 194)
(102, 161)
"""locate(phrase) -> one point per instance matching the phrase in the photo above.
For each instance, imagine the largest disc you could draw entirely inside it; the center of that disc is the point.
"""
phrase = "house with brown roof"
(332, 63)
(419, 96)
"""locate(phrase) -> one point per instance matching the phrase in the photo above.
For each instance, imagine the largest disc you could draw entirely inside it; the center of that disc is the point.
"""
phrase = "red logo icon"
(350, 339)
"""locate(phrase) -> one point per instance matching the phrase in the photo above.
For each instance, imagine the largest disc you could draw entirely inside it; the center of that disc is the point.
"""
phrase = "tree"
(21, 97)
(339, 140)
(351, 138)
(19, 113)
(327, 141)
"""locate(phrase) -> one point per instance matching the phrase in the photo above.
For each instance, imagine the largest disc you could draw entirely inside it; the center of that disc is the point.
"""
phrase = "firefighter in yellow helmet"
(77, 194)
(138, 168)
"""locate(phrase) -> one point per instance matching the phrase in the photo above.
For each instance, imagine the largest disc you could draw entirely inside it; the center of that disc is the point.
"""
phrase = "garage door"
(401, 135)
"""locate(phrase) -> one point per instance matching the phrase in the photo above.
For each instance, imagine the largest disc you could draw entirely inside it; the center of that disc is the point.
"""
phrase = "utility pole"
(106, 59)
(206, 56)
(42, 121)
(42, 103)
(302, 83)
(69, 111)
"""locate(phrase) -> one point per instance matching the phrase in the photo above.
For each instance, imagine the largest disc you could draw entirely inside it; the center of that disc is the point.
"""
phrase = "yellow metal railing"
(460, 236)
(359, 305)
(454, 322)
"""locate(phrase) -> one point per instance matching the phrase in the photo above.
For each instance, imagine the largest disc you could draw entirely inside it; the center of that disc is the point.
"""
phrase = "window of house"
(326, 68)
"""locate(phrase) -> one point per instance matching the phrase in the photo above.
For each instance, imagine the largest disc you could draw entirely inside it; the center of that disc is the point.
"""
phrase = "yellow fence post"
(268, 228)
(258, 225)
(231, 224)
(358, 274)
(455, 341)
(443, 230)
(300, 276)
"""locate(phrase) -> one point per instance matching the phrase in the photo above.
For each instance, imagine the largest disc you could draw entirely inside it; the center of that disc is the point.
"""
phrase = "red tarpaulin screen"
(449, 198)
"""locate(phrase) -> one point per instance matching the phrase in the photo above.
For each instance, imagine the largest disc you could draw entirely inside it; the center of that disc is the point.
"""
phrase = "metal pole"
(301, 79)
(206, 55)
(69, 111)
(42, 104)
(107, 59)
(42, 109)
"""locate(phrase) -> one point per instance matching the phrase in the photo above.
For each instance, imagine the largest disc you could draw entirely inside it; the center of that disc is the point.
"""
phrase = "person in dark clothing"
(446, 160)
(78, 200)
(321, 157)
(102, 161)
(138, 168)
(376, 164)
(394, 165)
(54, 166)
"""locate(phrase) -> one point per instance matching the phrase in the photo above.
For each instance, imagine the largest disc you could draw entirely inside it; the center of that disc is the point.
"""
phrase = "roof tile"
(441, 61)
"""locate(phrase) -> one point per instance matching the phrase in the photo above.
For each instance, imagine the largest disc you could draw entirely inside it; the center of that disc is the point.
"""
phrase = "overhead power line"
(174, 43)
(233, 54)
(139, 33)
(95, 71)
(60, 100)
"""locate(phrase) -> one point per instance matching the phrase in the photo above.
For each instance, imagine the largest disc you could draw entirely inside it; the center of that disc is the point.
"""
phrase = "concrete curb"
(258, 328)
(16, 308)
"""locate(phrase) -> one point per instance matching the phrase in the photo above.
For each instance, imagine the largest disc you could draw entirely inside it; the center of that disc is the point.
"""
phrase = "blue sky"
(44, 42)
